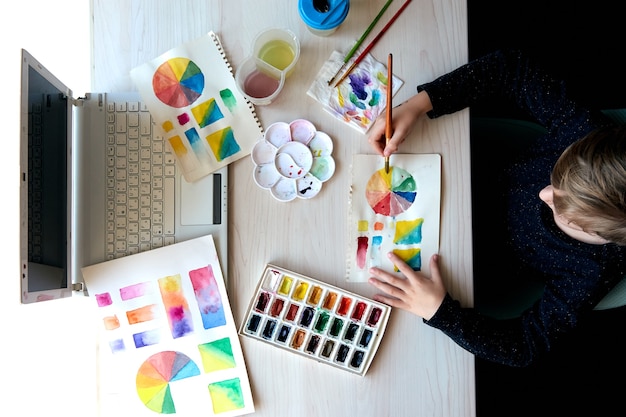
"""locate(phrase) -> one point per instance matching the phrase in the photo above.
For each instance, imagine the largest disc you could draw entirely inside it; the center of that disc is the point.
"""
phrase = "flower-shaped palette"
(293, 160)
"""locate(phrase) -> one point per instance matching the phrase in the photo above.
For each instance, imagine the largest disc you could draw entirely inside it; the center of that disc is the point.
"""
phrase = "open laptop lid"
(46, 268)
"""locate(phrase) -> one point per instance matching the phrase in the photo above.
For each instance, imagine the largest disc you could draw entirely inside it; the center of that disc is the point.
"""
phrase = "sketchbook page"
(191, 94)
(360, 98)
(397, 211)
(168, 340)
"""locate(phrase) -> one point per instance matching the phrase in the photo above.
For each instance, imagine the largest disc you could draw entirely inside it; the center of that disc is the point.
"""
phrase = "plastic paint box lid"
(327, 22)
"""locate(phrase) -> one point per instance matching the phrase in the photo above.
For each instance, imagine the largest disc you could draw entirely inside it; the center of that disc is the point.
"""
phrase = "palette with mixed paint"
(293, 160)
(316, 320)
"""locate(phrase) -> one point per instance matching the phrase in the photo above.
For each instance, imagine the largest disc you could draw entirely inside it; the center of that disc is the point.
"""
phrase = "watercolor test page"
(192, 96)
(360, 98)
(168, 343)
(395, 211)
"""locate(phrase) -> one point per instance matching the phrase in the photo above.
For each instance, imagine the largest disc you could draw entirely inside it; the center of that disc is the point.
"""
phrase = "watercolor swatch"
(316, 320)
(395, 211)
(169, 344)
(360, 98)
(192, 96)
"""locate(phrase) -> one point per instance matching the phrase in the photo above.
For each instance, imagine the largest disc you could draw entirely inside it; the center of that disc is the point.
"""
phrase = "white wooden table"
(417, 371)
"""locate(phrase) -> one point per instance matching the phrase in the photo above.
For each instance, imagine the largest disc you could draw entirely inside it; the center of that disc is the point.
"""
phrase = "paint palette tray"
(293, 160)
(315, 320)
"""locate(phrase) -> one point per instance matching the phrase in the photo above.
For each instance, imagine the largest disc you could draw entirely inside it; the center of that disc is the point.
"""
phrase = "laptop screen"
(44, 183)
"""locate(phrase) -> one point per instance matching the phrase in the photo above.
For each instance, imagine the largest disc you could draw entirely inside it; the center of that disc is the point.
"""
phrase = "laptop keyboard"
(140, 182)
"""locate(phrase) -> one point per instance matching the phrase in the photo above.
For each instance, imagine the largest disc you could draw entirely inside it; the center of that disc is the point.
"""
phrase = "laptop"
(97, 182)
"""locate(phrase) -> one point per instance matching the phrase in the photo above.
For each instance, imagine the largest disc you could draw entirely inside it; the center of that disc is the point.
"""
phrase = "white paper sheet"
(399, 212)
(168, 340)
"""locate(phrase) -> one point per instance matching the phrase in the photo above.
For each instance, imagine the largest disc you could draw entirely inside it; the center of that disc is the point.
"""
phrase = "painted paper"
(360, 98)
(168, 340)
(194, 101)
(396, 211)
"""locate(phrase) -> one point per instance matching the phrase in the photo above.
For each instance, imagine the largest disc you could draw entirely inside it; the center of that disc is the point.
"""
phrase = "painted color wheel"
(178, 82)
(390, 194)
(154, 377)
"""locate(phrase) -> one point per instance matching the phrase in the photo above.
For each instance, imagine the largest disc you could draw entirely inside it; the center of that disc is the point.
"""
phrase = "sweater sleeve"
(505, 76)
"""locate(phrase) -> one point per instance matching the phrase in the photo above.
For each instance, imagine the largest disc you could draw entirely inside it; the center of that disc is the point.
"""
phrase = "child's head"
(590, 177)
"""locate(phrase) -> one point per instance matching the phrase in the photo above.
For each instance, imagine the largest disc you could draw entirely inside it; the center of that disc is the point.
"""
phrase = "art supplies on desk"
(397, 211)
(169, 343)
(360, 98)
(319, 321)
(191, 93)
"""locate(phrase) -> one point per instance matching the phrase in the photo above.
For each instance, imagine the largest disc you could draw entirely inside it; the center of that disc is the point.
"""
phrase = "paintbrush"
(372, 43)
(360, 41)
(388, 130)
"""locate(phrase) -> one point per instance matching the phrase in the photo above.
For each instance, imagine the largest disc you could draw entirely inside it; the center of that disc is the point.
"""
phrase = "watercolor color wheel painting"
(154, 377)
(390, 193)
(393, 211)
(168, 341)
(178, 82)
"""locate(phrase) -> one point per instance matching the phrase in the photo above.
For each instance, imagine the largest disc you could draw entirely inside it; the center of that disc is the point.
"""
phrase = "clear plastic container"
(261, 76)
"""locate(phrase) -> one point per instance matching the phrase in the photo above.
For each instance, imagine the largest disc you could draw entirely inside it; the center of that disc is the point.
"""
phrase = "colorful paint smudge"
(207, 113)
(208, 297)
(229, 99)
(359, 99)
(226, 395)
(217, 355)
(176, 306)
(135, 290)
(223, 143)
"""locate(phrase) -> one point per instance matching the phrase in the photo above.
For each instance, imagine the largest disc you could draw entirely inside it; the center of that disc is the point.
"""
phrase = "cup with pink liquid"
(262, 75)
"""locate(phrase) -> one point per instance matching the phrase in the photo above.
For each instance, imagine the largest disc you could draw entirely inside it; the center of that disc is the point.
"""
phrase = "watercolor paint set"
(316, 320)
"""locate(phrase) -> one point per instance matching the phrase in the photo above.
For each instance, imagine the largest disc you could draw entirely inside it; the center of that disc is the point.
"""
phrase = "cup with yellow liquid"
(262, 75)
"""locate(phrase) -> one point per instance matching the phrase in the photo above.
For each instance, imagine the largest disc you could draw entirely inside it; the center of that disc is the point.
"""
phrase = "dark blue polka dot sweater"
(576, 275)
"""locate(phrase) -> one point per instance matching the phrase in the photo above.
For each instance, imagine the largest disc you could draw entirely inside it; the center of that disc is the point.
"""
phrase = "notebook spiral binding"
(222, 52)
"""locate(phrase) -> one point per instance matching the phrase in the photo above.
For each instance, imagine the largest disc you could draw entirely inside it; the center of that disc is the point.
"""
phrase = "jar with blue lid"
(323, 17)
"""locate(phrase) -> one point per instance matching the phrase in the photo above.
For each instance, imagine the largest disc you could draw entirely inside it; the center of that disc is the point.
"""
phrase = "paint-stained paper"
(168, 343)
(397, 211)
(191, 94)
(361, 97)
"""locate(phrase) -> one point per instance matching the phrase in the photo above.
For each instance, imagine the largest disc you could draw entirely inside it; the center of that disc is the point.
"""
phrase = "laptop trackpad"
(197, 202)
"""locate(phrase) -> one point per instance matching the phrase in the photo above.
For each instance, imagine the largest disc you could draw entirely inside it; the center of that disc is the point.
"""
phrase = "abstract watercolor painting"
(393, 211)
(168, 342)
(192, 96)
(360, 98)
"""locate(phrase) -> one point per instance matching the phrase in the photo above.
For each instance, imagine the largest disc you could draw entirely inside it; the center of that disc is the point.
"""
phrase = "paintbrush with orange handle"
(388, 131)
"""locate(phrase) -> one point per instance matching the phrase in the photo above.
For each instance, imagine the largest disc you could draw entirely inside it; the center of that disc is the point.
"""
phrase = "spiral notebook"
(192, 96)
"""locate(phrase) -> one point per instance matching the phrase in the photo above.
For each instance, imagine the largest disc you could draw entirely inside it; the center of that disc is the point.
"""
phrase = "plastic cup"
(262, 75)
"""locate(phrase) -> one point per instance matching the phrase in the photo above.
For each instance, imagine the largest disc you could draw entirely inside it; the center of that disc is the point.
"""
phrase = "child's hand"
(415, 292)
(404, 117)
